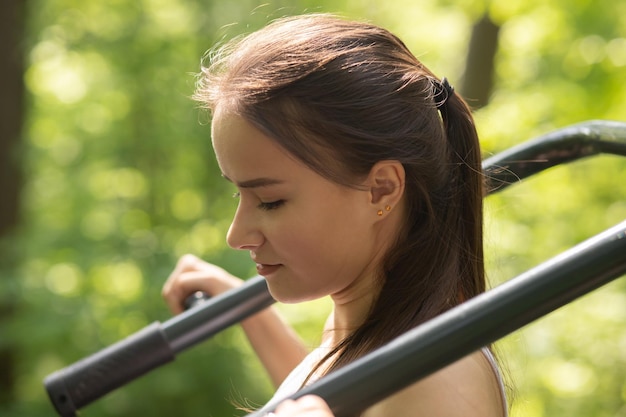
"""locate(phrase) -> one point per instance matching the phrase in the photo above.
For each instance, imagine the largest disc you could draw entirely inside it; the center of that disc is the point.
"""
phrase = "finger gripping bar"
(92, 377)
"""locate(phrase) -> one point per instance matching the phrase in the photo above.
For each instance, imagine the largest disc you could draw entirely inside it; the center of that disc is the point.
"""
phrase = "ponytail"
(465, 156)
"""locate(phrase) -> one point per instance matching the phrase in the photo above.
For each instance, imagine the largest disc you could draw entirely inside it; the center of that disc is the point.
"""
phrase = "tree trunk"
(11, 121)
(479, 66)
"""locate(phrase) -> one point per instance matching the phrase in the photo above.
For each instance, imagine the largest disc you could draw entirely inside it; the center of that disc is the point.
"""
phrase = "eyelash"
(272, 205)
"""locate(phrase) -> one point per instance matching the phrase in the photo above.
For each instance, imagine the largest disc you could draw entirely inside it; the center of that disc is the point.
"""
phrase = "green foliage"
(122, 181)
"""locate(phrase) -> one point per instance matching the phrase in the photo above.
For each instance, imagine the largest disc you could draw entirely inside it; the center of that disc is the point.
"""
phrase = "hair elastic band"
(443, 90)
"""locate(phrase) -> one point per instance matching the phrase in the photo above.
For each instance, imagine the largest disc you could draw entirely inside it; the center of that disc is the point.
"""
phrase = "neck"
(349, 312)
(353, 304)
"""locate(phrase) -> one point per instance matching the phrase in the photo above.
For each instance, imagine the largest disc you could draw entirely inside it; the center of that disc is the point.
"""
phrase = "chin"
(285, 296)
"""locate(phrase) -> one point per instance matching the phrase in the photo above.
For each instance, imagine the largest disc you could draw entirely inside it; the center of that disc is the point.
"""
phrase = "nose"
(243, 232)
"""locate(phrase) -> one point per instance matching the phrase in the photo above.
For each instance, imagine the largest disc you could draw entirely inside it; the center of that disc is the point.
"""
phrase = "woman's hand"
(307, 406)
(192, 274)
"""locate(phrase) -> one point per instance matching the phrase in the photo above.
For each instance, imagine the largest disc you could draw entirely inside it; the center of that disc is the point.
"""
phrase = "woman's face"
(309, 237)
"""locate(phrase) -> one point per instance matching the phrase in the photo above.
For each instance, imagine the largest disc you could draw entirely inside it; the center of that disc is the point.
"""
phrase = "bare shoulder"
(467, 388)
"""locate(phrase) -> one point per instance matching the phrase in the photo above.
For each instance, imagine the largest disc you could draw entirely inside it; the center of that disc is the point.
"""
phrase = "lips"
(267, 269)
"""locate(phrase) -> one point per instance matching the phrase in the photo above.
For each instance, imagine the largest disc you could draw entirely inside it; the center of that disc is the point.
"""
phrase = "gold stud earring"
(387, 208)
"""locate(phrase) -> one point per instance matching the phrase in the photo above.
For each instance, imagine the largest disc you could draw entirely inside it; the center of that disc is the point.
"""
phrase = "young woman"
(359, 178)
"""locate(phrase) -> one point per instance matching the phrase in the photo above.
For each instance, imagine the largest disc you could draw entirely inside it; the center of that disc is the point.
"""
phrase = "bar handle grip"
(94, 376)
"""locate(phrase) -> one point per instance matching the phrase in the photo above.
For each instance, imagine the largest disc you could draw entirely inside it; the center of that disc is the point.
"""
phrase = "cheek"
(332, 245)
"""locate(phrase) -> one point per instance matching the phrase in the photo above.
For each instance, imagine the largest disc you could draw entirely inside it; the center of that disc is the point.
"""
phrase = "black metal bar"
(471, 325)
(559, 147)
(108, 369)
(211, 317)
(87, 380)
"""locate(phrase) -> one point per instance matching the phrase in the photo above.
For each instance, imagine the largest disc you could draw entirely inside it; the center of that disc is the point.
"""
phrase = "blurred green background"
(116, 179)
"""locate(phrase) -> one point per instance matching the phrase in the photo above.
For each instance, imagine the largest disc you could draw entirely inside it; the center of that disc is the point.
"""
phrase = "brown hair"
(342, 95)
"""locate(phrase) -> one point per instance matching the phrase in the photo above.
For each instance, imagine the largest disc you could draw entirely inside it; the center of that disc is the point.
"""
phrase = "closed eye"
(272, 205)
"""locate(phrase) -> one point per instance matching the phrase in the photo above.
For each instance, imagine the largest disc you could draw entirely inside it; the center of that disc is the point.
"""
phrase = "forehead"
(243, 151)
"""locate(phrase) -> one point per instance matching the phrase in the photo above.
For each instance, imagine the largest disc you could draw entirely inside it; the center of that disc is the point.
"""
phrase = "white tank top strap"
(296, 378)
(496, 371)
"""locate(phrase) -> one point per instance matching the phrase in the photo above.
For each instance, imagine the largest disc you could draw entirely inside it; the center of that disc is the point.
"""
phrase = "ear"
(386, 184)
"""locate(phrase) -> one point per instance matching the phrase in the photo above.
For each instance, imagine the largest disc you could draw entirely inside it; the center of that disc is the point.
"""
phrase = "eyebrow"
(256, 182)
